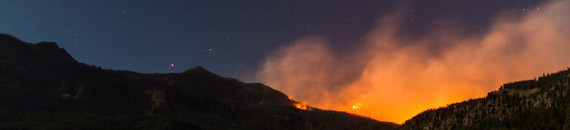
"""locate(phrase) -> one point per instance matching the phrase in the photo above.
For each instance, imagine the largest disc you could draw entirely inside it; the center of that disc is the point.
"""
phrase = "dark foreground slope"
(537, 104)
(43, 87)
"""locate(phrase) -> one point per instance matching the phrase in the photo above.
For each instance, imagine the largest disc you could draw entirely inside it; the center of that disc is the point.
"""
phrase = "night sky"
(228, 37)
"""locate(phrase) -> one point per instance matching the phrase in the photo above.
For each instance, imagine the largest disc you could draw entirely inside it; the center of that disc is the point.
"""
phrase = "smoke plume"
(393, 78)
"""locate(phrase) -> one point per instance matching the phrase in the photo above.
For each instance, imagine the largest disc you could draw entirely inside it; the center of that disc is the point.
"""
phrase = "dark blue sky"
(228, 37)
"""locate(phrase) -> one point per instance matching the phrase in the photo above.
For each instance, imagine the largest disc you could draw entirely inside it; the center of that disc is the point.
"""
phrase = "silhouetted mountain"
(43, 87)
(536, 104)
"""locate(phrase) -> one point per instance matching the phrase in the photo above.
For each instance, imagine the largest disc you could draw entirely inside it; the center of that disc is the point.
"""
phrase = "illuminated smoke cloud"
(394, 78)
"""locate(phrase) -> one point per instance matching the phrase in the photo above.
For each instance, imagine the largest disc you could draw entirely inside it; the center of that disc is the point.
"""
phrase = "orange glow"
(393, 78)
(301, 106)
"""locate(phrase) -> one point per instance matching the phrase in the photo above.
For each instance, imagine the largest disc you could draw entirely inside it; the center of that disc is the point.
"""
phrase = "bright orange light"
(393, 78)
(300, 106)
(357, 106)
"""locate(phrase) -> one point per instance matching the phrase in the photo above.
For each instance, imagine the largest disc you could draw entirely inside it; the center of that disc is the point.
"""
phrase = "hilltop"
(43, 87)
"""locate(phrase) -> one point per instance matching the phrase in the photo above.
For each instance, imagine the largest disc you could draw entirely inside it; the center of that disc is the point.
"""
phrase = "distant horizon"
(387, 60)
(303, 105)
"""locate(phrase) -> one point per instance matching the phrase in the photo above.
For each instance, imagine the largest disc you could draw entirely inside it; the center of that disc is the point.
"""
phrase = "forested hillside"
(541, 103)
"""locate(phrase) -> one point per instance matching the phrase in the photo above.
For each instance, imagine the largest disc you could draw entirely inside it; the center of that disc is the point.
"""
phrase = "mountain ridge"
(43, 87)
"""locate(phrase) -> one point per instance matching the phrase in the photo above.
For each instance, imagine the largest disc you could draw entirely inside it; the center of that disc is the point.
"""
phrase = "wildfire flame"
(393, 78)
(300, 106)
(357, 107)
